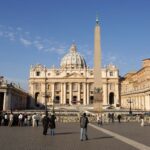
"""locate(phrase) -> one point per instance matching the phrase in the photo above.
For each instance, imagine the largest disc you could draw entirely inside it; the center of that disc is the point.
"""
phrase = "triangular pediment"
(74, 75)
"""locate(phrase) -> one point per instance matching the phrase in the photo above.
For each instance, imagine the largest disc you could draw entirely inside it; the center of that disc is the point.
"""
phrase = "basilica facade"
(72, 83)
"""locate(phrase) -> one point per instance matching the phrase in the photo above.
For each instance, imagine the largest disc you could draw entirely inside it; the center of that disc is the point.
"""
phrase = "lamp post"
(45, 94)
(53, 109)
(130, 109)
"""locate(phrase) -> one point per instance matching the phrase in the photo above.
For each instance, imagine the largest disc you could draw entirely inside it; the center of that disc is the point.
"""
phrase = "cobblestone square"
(67, 137)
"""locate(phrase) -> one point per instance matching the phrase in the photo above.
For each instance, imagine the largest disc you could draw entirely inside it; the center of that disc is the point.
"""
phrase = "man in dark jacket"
(45, 122)
(83, 125)
(52, 124)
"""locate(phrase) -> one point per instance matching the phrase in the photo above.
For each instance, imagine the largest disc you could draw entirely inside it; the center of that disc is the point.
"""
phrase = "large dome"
(73, 59)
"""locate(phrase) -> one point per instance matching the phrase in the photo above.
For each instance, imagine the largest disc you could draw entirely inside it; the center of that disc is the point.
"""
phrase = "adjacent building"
(135, 88)
(12, 97)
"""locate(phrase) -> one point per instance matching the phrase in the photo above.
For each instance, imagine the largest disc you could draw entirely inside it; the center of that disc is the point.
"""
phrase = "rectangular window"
(111, 73)
(37, 73)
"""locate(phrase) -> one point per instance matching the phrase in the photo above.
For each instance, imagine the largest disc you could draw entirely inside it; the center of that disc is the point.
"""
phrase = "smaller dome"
(73, 59)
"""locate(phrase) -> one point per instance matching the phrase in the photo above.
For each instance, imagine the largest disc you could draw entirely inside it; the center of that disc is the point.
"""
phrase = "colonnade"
(139, 102)
(65, 91)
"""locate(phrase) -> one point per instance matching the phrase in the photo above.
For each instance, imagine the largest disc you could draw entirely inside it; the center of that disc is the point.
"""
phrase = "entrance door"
(74, 101)
(57, 100)
(91, 99)
(111, 98)
(1, 100)
(36, 99)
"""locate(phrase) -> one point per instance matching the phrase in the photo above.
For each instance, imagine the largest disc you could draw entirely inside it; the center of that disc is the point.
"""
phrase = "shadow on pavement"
(102, 137)
(65, 133)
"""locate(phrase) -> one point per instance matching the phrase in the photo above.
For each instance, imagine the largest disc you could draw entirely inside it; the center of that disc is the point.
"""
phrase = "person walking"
(34, 120)
(119, 118)
(142, 120)
(37, 118)
(5, 119)
(99, 120)
(11, 119)
(20, 118)
(45, 122)
(83, 125)
(52, 124)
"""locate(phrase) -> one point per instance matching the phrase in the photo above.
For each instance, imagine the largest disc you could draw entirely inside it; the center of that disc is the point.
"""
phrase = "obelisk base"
(98, 102)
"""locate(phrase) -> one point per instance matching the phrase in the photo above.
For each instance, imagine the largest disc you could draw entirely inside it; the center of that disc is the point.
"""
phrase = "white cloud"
(19, 28)
(1, 33)
(25, 42)
(28, 40)
(38, 45)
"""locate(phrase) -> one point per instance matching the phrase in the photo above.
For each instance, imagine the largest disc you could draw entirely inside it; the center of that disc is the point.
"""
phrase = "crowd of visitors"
(48, 121)
(19, 119)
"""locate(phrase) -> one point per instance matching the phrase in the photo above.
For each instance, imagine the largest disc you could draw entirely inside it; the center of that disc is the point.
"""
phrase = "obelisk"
(98, 98)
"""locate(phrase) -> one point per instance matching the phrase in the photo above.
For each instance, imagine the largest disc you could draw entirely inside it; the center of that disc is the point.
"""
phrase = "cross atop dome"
(73, 48)
(97, 20)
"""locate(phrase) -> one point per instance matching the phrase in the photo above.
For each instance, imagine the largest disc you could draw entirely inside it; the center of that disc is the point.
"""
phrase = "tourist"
(142, 120)
(83, 125)
(99, 120)
(20, 118)
(52, 124)
(11, 119)
(25, 120)
(5, 119)
(29, 120)
(112, 117)
(45, 122)
(37, 118)
(119, 118)
(33, 120)
(109, 117)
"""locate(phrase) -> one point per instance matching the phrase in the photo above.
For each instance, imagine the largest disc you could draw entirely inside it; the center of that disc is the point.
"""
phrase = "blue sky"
(41, 31)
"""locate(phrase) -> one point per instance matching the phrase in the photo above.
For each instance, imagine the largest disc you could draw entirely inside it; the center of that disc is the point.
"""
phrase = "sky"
(42, 31)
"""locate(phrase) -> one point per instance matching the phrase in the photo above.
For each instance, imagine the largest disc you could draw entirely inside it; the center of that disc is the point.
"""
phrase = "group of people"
(110, 117)
(49, 122)
(19, 119)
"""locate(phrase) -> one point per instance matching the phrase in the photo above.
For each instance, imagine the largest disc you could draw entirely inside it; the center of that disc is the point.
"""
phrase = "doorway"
(74, 100)
(57, 100)
(36, 99)
(1, 100)
(111, 98)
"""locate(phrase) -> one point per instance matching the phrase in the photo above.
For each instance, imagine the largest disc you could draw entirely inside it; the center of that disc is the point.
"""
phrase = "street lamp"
(53, 109)
(130, 109)
(45, 94)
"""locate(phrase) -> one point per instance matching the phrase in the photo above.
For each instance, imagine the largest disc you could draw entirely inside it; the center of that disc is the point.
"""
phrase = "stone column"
(84, 93)
(79, 91)
(147, 102)
(139, 102)
(7, 101)
(70, 91)
(64, 100)
(61, 99)
(88, 93)
(144, 102)
(136, 102)
(105, 93)
(53, 92)
(117, 94)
